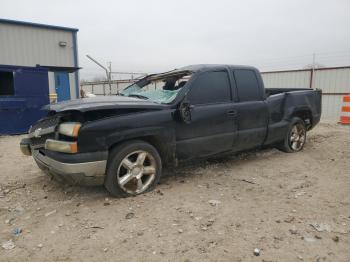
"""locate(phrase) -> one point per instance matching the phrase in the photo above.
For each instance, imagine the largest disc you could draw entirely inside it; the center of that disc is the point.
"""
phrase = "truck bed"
(283, 103)
(275, 91)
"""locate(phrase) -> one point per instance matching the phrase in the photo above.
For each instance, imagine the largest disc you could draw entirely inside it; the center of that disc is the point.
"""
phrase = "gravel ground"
(292, 207)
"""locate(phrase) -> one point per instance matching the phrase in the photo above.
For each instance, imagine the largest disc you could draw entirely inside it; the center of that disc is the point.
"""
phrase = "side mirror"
(185, 112)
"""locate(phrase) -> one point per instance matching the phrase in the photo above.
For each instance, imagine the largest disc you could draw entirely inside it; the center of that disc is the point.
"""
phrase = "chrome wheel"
(136, 172)
(297, 137)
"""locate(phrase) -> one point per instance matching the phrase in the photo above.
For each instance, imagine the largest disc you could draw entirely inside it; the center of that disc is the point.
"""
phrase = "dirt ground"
(292, 207)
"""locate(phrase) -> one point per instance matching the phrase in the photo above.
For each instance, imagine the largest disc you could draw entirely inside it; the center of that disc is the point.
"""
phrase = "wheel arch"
(304, 114)
(163, 142)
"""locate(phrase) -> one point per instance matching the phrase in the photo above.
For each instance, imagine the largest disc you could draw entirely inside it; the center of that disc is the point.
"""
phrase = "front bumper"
(25, 147)
(79, 169)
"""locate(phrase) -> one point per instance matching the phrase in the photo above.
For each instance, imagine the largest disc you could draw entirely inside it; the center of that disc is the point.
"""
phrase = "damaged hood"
(103, 102)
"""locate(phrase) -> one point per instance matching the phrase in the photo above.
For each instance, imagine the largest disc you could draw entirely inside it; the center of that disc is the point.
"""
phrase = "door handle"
(232, 113)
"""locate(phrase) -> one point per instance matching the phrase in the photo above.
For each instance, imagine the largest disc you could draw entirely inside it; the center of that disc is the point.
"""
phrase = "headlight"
(61, 146)
(69, 129)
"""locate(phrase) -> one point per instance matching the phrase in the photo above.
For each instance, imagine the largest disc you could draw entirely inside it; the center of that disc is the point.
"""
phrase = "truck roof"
(199, 67)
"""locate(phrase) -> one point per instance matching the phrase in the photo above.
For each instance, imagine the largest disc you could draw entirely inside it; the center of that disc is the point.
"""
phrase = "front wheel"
(134, 167)
(295, 138)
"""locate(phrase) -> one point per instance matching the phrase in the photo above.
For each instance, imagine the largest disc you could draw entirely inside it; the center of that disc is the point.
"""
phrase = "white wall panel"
(299, 79)
(333, 80)
(29, 46)
(331, 107)
(52, 83)
(100, 88)
(73, 92)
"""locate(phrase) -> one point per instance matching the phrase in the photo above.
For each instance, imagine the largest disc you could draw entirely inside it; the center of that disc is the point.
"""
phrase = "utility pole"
(313, 70)
(110, 77)
(108, 73)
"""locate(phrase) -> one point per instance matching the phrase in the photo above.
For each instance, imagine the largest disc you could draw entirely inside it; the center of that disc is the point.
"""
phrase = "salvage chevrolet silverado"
(197, 111)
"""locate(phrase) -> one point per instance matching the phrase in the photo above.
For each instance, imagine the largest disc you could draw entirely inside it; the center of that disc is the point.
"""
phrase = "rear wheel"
(295, 138)
(133, 168)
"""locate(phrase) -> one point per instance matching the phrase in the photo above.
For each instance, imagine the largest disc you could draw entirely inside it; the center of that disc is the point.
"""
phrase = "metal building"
(334, 83)
(54, 47)
(37, 62)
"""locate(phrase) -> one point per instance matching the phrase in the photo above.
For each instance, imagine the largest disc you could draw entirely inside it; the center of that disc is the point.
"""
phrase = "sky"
(159, 35)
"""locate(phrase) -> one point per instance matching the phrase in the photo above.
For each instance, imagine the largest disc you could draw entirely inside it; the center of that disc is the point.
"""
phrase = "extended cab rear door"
(252, 111)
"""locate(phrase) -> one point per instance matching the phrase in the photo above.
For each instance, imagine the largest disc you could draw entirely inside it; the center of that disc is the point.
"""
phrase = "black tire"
(287, 144)
(115, 166)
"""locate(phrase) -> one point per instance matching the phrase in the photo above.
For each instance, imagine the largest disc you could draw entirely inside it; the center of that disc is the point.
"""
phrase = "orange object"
(345, 111)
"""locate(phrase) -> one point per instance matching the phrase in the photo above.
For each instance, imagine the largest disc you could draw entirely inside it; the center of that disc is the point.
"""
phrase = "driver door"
(213, 127)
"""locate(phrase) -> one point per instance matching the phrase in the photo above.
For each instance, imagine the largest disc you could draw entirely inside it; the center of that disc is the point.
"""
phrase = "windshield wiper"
(138, 96)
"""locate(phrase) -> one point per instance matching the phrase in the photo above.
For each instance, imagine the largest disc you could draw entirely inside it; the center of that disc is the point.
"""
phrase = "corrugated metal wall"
(29, 46)
(334, 82)
(102, 87)
(299, 79)
(23, 45)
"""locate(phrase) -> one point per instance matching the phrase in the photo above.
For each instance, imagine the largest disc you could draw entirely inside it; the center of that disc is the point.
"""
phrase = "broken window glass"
(161, 88)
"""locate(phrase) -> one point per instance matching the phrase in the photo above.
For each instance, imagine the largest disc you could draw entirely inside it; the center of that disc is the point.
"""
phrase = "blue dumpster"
(23, 92)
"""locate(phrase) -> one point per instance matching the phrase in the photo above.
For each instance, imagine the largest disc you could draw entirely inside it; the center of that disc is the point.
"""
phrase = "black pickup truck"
(196, 111)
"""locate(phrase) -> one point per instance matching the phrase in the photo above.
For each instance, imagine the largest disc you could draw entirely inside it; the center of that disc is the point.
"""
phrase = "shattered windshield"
(161, 88)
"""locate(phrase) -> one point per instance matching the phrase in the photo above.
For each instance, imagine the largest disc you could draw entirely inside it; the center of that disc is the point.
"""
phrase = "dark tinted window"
(210, 87)
(247, 85)
(6, 84)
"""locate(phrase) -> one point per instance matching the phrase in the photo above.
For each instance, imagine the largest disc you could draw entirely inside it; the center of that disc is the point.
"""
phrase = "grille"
(39, 142)
(45, 123)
